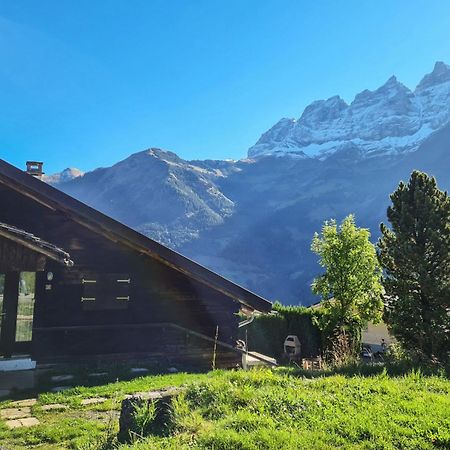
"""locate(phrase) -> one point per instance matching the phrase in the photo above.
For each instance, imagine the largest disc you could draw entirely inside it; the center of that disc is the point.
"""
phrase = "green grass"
(79, 425)
(265, 409)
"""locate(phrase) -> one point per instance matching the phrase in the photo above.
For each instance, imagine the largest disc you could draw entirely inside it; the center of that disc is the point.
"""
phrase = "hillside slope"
(252, 220)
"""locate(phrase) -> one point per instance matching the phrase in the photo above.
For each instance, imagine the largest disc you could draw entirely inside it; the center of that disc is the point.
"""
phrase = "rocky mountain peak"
(391, 88)
(160, 153)
(388, 120)
(324, 110)
(439, 75)
(252, 220)
(275, 135)
(62, 177)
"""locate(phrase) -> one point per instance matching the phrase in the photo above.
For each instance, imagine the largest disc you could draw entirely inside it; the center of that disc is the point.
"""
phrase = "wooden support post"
(215, 348)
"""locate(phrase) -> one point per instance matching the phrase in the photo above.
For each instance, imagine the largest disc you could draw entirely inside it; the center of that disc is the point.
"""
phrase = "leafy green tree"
(416, 258)
(350, 287)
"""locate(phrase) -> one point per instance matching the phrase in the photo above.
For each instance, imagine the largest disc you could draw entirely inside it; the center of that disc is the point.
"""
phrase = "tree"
(350, 287)
(416, 258)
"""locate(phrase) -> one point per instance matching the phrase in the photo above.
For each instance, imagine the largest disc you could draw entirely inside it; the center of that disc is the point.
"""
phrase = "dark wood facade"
(125, 295)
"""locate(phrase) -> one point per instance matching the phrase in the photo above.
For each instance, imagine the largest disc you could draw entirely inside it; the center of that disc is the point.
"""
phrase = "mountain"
(252, 220)
(64, 176)
(388, 121)
(157, 193)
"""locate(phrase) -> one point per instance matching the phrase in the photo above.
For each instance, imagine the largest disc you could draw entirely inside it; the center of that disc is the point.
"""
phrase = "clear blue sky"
(86, 83)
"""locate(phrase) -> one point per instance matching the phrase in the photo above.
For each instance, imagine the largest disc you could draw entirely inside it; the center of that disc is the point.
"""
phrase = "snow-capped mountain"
(63, 177)
(390, 120)
(253, 220)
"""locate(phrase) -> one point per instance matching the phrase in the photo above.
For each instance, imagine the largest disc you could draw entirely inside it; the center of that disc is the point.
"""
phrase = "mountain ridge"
(252, 220)
(390, 119)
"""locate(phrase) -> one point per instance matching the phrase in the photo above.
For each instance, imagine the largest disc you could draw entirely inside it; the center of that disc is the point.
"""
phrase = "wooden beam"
(30, 245)
(157, 325)
(27, 194)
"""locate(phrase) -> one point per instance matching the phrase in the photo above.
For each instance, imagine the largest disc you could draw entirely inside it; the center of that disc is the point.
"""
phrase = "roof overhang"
(34, 243)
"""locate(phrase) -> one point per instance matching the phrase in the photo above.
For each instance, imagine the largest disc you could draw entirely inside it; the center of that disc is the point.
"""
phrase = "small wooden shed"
(76, 285)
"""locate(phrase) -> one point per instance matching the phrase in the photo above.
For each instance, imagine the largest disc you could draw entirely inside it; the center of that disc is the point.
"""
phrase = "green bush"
(266, 334)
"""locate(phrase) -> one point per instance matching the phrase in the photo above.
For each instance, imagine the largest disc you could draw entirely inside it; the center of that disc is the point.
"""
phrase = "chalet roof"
(118, 232)
(34, 243)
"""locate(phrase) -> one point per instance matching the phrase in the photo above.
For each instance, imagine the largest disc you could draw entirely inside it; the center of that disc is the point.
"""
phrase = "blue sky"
(86, 83)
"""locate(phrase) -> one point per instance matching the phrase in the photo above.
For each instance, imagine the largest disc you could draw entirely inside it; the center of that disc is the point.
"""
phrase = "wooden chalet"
(76, 285)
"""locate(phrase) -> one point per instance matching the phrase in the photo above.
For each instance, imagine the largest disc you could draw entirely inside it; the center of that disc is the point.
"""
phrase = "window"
(25, 307)
(105, 291)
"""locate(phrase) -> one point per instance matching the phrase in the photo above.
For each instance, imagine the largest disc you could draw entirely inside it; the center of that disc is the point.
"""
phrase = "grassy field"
(265, 409)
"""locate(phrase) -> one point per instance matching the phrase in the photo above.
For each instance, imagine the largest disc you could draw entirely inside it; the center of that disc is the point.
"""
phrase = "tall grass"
(353, 407)
(280, 410)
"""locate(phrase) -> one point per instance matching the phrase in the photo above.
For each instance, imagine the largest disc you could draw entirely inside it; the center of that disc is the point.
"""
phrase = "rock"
(15, 413)
(26, 402)
(136, 394)
(29, 421)
(11, 424)
(61, 378)
(93, 401)
(26, 422)
(54, 406)
(154, 395)
(161, 400)
(172, 370)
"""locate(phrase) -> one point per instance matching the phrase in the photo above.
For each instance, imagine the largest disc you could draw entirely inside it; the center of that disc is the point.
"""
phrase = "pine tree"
(415, 254)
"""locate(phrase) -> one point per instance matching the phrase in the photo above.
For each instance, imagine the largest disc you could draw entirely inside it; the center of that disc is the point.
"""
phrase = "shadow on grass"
(88, 376)
(120, 372)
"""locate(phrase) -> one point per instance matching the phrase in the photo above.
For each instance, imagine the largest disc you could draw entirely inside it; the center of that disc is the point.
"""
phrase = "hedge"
(266, 334)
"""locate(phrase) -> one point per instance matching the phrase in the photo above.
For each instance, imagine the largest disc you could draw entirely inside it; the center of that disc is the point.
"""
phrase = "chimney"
(35, 168)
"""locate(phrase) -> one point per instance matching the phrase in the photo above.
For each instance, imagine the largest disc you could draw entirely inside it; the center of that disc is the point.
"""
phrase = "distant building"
(372, 335)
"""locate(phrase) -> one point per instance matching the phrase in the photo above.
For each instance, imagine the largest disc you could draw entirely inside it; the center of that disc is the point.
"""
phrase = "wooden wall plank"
(158, 294)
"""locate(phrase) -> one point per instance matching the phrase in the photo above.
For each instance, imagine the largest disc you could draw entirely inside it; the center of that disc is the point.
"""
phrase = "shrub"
(266, 334)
